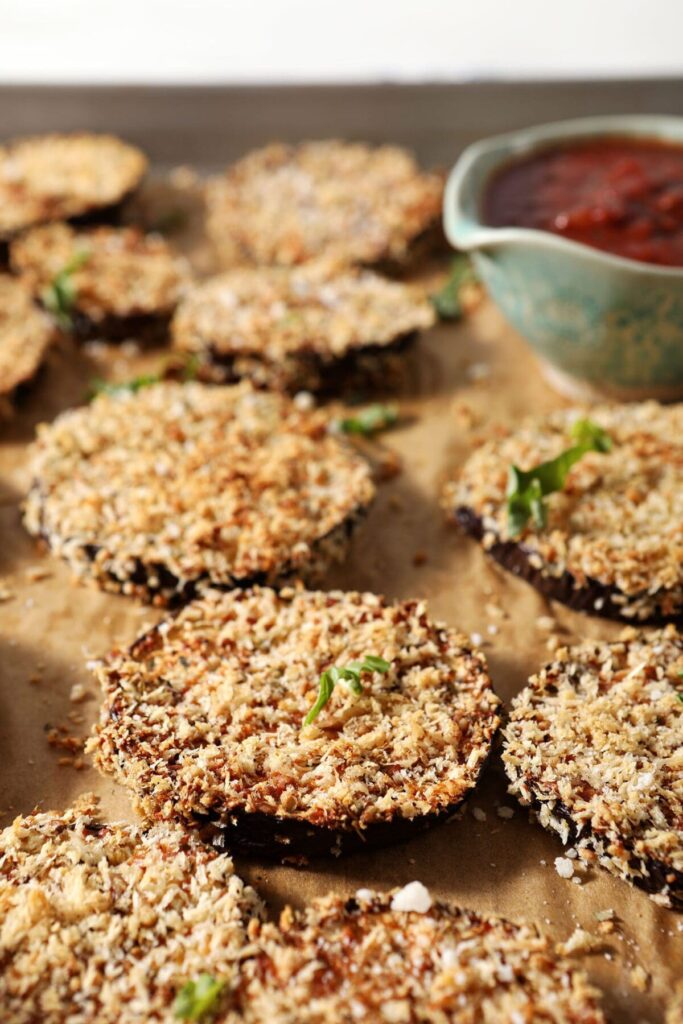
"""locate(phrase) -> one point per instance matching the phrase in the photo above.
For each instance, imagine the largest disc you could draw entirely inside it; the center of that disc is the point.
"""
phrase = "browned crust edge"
(171, 594)
(148, 328)
(592, 599)
(654, 882)
(312, 372)
(288, 840)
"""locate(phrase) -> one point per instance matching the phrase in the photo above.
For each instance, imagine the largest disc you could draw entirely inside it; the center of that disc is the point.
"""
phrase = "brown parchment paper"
(464, 379)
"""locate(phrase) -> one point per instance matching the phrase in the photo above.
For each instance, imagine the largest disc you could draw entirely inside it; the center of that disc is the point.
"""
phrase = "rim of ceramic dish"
(465, 230)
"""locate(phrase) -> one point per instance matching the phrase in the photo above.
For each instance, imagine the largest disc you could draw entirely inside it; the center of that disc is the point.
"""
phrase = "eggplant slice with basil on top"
(586, 507)
(102, 282)
(110, 923)
(297, 724)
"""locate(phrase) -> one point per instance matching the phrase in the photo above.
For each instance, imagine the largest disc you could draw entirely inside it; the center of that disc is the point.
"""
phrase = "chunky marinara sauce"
(622, 195)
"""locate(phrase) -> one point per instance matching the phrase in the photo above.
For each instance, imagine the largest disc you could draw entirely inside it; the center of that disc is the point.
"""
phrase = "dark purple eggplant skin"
(659, 875)
(111, 215)
(292, 841)
(334, 374)
(168, 589)
(516, 559)
(147, 329)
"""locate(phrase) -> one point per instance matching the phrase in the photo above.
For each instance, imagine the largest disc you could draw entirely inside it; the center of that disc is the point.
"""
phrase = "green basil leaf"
(106, 387)
(526, 488)
(350, 674)
(60, 295)
(197, 999)
(370, 421)
(447, 302)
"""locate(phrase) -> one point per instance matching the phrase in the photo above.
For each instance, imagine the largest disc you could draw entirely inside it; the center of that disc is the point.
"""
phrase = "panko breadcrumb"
(300, 328)
(128, 284)
(345, 200)
(595, 745)
(613, 543)
(60, 177)
(362, 959)
(153, 492)
(203, 720)
(104, 924)
(25, 335)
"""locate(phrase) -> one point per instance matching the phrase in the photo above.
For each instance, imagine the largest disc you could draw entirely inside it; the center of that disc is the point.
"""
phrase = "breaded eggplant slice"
(26, 333)
(344, 200)
(151, 493)
(105, 923)
(401, 957)
(203, 720)
(595, 745)
(613, 543)
(62, 177)
(306, 328)
(124, 284)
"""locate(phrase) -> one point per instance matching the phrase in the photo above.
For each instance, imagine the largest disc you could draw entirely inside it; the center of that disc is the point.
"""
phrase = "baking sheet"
(467, 378)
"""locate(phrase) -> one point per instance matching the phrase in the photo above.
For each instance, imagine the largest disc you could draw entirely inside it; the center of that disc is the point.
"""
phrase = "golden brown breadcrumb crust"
(124, 274)
(618, 522)
(203, 715)
(595, 744)
(296, 328)
(349, 201)
(25, 334)
(104, 924)
(362, 959)
(152, 492)
(58, 177)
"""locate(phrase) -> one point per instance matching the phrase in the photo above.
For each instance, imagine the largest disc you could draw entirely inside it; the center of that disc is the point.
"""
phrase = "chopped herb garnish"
(370, 421)
(680, 697)
(191, 367)
(350, 674)
(448, 301)
(59, 296)
(527, 488)
(173, 370)
(197, 998)
(107, 387)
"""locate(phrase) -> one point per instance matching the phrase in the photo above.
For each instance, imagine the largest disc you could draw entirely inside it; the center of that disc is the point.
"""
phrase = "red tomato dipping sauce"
(622, 195)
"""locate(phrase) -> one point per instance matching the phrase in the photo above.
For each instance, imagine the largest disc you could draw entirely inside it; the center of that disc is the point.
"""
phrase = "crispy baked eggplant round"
(105, 924)
(203, 719)
(25, 335)
(595, 745)
(345, 200)
(154, 492)
(613, 541)
(399, 957)
(121, 283)
(306, 328)
(61, 177)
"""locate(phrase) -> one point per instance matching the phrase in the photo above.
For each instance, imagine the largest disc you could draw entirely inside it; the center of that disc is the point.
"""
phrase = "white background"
(336, 40)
